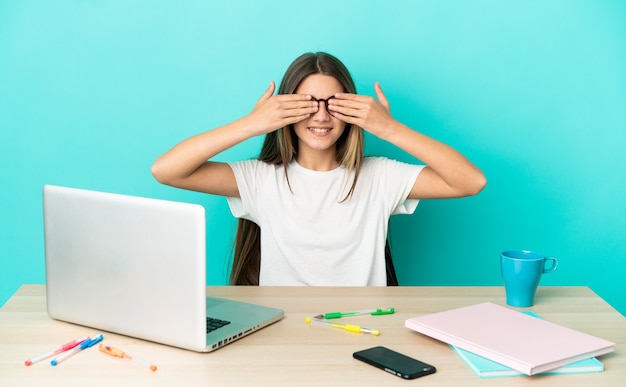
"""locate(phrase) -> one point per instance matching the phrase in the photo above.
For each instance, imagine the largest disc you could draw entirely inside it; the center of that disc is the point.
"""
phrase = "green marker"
(371, 312)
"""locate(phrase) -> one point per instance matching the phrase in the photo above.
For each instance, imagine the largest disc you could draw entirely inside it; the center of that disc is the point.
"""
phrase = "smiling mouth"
(319, 131)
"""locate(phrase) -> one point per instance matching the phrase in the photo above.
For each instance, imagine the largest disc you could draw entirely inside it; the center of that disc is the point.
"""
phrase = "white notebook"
(524, 343)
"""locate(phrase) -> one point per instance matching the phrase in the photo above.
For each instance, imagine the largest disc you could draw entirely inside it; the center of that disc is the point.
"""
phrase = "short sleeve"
(398, 179)
(246, 174)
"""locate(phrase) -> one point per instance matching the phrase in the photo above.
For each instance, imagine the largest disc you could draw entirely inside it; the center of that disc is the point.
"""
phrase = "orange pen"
(119, 353)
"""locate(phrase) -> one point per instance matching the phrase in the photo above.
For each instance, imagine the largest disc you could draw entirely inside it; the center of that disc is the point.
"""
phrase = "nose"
(322, 113)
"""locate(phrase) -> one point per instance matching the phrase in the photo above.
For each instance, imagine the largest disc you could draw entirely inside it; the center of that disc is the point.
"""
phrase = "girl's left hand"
(367, 112)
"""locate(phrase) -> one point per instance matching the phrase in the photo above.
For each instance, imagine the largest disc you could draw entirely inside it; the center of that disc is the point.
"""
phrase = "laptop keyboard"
(214, 323)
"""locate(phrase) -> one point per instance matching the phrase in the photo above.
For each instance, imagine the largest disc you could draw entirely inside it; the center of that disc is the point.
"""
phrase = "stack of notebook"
(521, 343)
(486, 368)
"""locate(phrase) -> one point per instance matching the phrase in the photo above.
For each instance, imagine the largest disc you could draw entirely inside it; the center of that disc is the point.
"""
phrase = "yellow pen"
(347, 327)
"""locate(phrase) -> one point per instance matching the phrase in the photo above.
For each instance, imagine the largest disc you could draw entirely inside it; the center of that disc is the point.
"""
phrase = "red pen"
(90, 342)
(63, 348)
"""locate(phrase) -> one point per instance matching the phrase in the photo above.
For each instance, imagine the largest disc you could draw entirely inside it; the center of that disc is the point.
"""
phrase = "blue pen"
(90, 342)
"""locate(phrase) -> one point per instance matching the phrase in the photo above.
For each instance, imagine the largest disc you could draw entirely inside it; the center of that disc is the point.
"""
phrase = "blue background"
(534, 92)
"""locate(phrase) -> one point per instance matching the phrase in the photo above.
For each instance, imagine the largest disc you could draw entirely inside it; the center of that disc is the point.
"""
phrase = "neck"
(318, 162)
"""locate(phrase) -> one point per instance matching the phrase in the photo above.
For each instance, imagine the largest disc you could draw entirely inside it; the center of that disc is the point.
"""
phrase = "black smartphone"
(395, 363)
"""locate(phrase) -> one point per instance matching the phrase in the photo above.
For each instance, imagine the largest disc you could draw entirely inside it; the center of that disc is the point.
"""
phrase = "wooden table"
(292, 352)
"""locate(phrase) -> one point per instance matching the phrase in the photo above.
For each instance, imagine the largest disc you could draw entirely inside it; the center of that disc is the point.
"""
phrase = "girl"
(313, 210)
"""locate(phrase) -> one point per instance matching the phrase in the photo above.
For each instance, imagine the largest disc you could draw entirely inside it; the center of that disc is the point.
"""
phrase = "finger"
(344, 97)
(294, 97)
(293, 118)
(353, 101)
(381, 95)
(345, 118)
(294, 101)
(298, 118)
(350, 105)
(268, 92)
(295, 105)
(298, 114)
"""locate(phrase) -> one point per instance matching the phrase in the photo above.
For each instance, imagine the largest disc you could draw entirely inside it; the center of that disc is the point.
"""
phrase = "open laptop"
(137, 267)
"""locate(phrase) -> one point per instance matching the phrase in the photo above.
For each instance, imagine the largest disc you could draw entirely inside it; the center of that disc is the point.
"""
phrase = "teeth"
(319, 130)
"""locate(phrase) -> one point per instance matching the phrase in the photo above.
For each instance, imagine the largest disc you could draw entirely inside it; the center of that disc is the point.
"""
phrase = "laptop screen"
(126, 264)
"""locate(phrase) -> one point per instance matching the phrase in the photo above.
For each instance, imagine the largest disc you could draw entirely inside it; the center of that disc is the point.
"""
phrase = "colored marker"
(119, 353)
(90, 342)
(371, 312)
(63, 348)
(347, 327)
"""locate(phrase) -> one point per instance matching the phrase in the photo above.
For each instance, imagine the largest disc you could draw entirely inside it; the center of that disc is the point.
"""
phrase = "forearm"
(460, 175)
(186, 164)
(185, 158)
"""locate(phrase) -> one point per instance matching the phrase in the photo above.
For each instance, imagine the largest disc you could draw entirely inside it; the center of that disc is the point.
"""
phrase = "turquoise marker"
(371, 312)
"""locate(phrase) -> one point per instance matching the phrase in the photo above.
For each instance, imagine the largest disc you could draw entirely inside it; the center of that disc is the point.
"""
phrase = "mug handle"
(555, 264)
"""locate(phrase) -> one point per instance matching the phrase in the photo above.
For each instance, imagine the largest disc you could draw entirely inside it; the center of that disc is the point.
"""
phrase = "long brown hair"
(281, 146)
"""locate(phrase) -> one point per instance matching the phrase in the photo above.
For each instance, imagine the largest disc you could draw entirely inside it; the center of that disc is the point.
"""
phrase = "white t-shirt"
(309, 236)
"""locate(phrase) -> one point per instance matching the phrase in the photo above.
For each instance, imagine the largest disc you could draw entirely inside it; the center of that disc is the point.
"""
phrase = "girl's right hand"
(273, 112)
